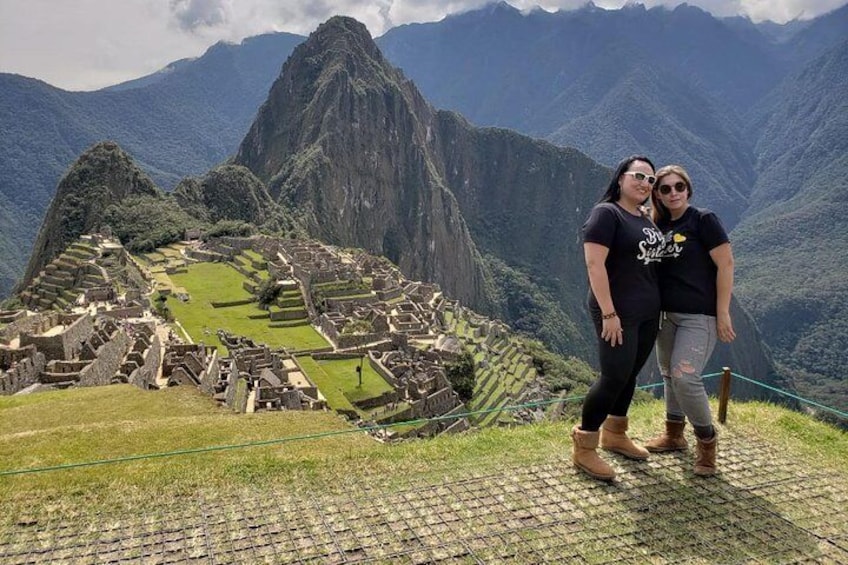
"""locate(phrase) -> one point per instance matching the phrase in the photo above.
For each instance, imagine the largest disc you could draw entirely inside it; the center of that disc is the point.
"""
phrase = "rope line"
(790, 395)
(375, 427)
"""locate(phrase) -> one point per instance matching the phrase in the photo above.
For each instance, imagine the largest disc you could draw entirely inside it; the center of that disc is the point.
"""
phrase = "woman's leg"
(646, 335)
(665, 347)
(694, 342)
(616, 368)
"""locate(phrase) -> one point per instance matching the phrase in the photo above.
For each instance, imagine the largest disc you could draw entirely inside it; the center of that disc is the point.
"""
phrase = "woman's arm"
(596, 256)
(722, 256)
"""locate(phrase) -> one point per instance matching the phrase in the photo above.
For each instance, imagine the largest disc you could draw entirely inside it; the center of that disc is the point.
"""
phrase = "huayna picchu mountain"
(344, 140)
(350, 145)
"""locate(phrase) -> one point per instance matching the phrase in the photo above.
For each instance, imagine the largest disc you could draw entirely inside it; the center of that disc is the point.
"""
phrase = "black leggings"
(620, 365)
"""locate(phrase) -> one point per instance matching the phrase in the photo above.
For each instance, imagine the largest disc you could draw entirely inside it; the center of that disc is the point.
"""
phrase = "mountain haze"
(792, 263)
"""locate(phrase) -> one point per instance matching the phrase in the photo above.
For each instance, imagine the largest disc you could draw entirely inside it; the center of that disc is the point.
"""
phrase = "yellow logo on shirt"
(679, 238)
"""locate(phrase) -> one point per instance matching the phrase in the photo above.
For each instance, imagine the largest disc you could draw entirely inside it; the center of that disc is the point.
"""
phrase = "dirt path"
(764, 507)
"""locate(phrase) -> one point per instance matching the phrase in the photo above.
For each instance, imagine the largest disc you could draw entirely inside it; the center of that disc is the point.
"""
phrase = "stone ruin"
(255, 378)
(397, 324)
(57, 350)
(420, 382)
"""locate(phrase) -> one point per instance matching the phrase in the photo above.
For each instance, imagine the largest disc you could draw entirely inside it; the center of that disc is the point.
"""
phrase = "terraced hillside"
(89, 264)
(503, 371)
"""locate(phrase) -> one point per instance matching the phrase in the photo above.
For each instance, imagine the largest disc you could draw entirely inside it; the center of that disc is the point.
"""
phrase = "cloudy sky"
(88, 44)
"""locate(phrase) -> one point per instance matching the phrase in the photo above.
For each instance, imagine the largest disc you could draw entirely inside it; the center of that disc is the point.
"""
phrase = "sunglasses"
(679, 186)
(650, 179)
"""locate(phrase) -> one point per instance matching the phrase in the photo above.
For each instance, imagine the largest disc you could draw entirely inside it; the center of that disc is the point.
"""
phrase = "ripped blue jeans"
(684, 345)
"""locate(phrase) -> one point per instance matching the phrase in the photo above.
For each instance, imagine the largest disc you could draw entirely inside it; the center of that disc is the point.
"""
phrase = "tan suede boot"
(614, 438)
(705, 462)
(585, 456)
(671, 440)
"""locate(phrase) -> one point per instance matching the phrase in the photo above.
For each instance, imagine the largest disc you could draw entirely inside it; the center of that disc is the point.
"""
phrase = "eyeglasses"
(679, 186)
(640, 176)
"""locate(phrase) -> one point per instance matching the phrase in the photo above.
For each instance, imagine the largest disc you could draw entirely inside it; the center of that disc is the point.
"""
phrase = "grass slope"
(91, 424)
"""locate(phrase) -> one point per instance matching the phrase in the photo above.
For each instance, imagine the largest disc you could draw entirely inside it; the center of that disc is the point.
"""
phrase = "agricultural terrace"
(164, 258)
(502, 370)
(220, 283)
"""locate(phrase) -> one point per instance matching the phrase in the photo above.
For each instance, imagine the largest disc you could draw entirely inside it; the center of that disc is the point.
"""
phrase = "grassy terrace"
(219, 282)
(501, 382)
(339, 383)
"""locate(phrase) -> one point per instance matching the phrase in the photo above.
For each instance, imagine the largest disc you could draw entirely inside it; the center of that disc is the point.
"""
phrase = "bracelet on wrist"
(609, 316)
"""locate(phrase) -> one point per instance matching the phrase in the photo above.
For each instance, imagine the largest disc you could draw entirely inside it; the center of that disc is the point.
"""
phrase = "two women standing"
(680, 265)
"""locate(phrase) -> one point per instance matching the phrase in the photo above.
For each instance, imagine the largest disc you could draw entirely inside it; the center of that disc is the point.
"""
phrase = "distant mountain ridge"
(182, 123)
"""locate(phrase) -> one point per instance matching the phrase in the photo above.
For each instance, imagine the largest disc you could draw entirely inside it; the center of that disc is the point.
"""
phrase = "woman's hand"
(611, 331)
(724, 326)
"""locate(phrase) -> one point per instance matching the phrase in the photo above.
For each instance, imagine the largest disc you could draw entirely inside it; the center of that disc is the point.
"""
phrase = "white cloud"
(88, 44)
(194, 14)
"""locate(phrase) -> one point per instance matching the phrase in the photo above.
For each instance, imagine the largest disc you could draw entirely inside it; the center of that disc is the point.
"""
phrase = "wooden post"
(724, 395)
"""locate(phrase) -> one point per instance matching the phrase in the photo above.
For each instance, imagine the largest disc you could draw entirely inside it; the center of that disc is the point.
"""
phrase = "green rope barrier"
(508, 408)
(790, 395)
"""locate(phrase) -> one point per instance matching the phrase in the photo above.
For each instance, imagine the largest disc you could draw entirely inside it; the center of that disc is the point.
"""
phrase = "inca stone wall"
(29, 324)
(145, 376)
(109, 357)
(65, 345)
(20, 373)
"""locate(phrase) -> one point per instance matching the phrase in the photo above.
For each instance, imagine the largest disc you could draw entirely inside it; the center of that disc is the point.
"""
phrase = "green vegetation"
(533, 310)
(560, 374)
(221, 283)
(460, 374)
(338, 381)
(801, 312)
(269, 290)
(234, 228)
(146, 222)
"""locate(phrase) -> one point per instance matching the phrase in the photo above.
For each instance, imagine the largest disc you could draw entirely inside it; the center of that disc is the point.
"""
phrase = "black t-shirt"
(687, 272)
(635, 246)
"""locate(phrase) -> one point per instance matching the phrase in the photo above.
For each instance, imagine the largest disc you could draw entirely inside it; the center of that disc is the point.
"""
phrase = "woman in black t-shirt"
(621, 245)
(696, 281)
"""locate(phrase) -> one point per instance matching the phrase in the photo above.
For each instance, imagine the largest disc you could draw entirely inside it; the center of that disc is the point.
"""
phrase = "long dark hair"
(613, 192)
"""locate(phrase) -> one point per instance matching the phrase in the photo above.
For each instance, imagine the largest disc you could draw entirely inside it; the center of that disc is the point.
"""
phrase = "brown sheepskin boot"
(614, 438)
(705, 462)
(585, 456)
(671, 440)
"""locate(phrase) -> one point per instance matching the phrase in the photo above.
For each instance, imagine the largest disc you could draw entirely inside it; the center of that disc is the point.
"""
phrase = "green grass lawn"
(339, 381)
(219, 282)
(99, 423)
(253, 255)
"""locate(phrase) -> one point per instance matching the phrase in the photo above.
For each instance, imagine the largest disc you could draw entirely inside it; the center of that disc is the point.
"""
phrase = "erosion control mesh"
(763, 507)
